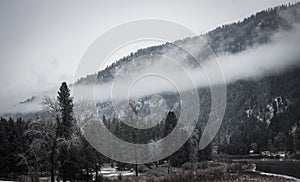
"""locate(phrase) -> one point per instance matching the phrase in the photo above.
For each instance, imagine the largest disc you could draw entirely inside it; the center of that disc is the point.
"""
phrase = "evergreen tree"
(182, 155)
(67, 157)
(12, 142)
(66, 107)
(170, 124)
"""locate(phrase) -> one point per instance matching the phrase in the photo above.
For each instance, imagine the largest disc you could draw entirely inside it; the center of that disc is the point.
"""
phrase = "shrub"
(196, 165)
(120, 176)
(142, 168)
(202, 165)
(188, 166)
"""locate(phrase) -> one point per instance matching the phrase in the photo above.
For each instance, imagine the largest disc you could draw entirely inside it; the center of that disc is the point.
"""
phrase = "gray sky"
(41, 42)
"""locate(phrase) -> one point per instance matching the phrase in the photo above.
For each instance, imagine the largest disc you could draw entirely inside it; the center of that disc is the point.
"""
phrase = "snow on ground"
(111, 172)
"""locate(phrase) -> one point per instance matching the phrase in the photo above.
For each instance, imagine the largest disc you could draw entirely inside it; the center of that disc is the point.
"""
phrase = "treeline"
(262, 115)
(13, 142)
(273, 131)
(50, 145)
(189, 152)
(231, 38)
(53, 145)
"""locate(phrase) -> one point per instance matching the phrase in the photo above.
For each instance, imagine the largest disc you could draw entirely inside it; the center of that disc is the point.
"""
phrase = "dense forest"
(54, 146)
(261, 115)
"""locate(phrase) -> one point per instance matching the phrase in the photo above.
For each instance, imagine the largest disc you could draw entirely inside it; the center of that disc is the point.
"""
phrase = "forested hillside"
(261, 114)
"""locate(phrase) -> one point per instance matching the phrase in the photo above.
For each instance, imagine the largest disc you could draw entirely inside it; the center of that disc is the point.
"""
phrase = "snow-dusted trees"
(55, 141)
(38, 153)
(45, 151)
(52, 107)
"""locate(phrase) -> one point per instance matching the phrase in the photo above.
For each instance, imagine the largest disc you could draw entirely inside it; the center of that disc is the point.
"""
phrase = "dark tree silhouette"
(66, 107)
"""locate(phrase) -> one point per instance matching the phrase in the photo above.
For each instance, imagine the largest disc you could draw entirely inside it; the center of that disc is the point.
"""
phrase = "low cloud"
(173, 72)
(149, 76)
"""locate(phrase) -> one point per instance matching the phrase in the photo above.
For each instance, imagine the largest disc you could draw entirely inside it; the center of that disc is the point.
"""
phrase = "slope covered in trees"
(230, 38)
(261, 114)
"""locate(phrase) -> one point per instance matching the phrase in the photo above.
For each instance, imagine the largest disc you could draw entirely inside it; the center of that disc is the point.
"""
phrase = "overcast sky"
(41, 42)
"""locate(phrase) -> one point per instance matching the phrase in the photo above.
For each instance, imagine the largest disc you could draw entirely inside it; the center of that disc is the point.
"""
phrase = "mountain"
(262, 113)
(31, 99)
(231, 38)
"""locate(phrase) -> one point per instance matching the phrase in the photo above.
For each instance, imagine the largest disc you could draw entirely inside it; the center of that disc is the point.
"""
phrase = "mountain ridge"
(261, 114)
(221, 40)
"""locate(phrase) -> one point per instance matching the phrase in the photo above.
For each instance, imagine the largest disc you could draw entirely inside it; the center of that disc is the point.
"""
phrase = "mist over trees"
(52, 144)
(261, 115)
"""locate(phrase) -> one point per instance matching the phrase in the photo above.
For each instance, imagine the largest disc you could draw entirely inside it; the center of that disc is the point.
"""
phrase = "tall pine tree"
(170, 124)
(66, 108)
(66, 157)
